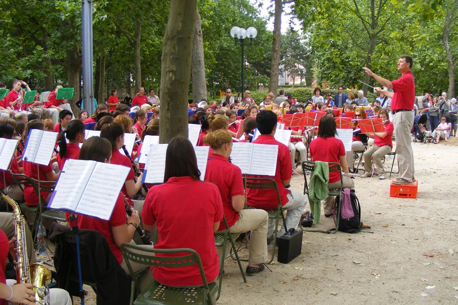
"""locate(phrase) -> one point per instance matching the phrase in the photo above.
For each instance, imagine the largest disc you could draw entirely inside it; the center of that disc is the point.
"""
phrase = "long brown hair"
(181, 160)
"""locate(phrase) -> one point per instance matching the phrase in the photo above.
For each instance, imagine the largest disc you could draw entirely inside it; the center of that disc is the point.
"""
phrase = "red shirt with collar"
(296, 139)
(30, 170)
(184, 210)
(200, 141)
(4, 246)
(73, 152)
(327, 150)
(118, 158)
(267, 199)
(387, 140)
(228, 179)
(9, 98)
(112, 100)
(139, 100)
(52, 101)
(89, 120)
(404, 92)
(118, 218)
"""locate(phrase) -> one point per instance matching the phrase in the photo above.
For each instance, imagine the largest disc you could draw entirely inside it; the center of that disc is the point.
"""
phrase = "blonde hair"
(218, 121)
(49, 125)
(218, 138)
(125, 121)
(146, 108)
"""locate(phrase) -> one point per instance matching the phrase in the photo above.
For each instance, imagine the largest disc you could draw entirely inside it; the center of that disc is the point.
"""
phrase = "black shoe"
(328, 215)
(253, 270)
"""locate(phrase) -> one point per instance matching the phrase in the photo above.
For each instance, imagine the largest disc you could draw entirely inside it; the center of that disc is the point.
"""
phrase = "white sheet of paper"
(202, 158)
(264, 160)
(241, 156)
(346, 136)
(44, 96)
(193, 133)
(91, 133)
(102, 190)
(280, 126)
(32, 144)
(155, 164)
(129, 141)
(46, 148)
(7, 149)
(146, 145)
(283, 136)
(256, 134)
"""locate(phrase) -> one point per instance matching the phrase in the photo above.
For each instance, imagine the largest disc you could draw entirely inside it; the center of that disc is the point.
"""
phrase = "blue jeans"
(434, 122)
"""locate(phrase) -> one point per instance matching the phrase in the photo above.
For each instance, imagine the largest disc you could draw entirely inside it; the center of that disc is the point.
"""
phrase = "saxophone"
(35, 274)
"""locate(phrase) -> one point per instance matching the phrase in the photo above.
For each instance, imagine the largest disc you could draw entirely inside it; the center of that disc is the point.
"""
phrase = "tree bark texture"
(273, 83)
(176, 69)
(73, 64)
(199, 82)
(100, 78)
(451, 65)
(137, 56)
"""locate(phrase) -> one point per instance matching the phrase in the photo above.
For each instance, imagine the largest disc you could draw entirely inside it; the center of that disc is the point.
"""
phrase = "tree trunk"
(137, 56)
(49, 80)
(176, 69)
(273, 83)
(367, 61)
(100, 78)
(73, 65)
(450, 16)
(199, 82)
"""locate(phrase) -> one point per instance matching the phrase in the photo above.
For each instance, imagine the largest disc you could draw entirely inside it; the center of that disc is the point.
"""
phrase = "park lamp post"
(239, 35)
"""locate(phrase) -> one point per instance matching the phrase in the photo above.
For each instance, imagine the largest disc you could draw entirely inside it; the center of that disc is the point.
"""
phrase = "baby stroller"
(428, 137)
(419, 128)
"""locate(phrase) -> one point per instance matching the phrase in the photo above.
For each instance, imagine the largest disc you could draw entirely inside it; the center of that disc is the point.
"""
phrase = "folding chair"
(267, 184)
(23, 180)
(333, 167)
(393, 153)
(358, 156)
(157, 293)
(222, 238)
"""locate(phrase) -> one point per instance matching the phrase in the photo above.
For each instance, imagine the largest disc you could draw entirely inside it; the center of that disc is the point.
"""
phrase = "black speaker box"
(289, 246)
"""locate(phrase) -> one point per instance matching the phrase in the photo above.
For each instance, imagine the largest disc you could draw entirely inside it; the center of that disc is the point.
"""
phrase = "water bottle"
(41, 243)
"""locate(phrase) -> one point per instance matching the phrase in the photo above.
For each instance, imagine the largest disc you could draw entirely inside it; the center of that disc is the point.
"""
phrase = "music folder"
(371, 125)
(65, 93)
(7, 149)
(255, 159)
(39, 146)
(88, 187)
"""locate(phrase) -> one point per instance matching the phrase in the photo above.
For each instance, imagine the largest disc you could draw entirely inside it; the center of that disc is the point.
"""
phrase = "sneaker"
(382, 177)
(366, 175)
(400, 181)
(253, 270)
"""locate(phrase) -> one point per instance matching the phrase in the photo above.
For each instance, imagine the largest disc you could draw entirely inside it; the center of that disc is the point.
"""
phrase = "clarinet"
(146, 238)
(134, 167)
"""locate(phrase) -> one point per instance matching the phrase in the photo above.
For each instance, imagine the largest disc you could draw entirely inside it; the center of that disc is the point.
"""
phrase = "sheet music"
(193, 133)
(91, 133)
(46, 148)
(256, 134)
(202, 158)
(44, 96)
(241, 156)
(71, 184)
(283, 136)
(280, 126)
(32, 144)
(7, 149)
(346, 136)
(155, 164)
(264, 160)
(129, 141)
(146, 145)
(102, 190)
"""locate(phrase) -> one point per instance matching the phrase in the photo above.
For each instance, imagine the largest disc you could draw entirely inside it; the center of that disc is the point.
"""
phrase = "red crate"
(404, 191)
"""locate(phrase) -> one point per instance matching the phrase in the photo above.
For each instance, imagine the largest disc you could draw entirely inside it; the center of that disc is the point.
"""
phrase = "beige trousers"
(403, 122)
(376, 153)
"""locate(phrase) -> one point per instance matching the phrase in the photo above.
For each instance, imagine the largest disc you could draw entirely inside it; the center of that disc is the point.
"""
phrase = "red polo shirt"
(30, 170)
(185, 210)
(267, 199)
(387, 140)
(296, 139)
(139, 100)
(89, 120)
(73, 152)
(118, 158)
(4, 246)
(8, 177)
(112, 100)
(327, 150)
(228, 179)
(52, 100)
(9, 98)
(404, 92)
(118, 218)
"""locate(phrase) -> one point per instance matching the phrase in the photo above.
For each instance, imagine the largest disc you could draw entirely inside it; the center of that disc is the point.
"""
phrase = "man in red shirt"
(140, 98)
(402, 105)
(113, 101)
(292, 201)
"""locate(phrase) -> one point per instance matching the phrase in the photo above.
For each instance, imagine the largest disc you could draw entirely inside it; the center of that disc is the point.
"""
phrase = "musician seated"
(327, 148)
(292, 201)
(114, 133)
(296, 144)
(228, 179)
(74, 133)
(359, 139)
(100, 108)
(39, 172)
(233, 124)
(249, 125)
(186, 212)
(22, 293)
(7, 183)
(383, 144)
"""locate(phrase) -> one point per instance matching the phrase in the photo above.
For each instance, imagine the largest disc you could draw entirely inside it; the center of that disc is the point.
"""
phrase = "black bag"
(289, 246)
(350, 213)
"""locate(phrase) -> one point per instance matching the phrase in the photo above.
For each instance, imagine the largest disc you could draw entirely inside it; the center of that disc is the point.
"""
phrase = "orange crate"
(404, 191)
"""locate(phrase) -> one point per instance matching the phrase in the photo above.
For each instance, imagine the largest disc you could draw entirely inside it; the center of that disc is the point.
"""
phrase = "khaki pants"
(403, 122)
(256, 221)
(329, 202)
(147, 279)
(375, 153)
(356, 146)
(7, 224)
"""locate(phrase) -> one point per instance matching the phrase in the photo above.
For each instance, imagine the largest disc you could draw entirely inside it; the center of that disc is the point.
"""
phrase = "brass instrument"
(35, 274)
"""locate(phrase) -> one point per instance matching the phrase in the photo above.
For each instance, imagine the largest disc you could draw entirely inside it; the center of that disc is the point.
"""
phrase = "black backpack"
(350, 213)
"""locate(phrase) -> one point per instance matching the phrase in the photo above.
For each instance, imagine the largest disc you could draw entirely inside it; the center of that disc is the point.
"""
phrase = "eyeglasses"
(228, 92)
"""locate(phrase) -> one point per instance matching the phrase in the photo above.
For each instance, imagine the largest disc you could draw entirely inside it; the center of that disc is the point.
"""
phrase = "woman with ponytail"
(71, 150)
(228, 178)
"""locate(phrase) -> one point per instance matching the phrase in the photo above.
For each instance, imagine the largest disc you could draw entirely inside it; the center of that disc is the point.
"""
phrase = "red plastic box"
(404, 191)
